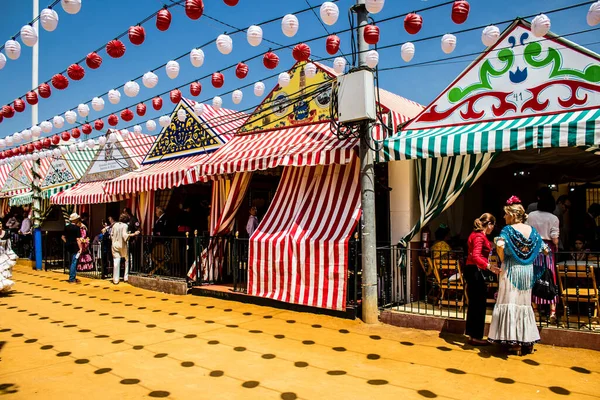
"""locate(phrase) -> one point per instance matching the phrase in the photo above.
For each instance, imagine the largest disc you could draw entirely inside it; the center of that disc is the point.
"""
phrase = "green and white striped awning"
(20, 200)
(571, 129)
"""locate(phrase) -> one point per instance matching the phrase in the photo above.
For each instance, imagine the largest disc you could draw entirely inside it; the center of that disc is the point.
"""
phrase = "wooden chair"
(577, 284)
(427, 267)
(444, 269)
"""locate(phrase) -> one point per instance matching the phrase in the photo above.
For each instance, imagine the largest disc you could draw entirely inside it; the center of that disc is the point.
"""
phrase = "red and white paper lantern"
(270, 60)
(540, 25)
(83, 110)
(254, 35)
(150, 79)
(241, 71)
(172, 69)
(490, 35)
(44, 90)
(163, 20)
(98, 125)
(199, 109)
(93, 60)
(140, 109)
(12, 48)
(58, 121)
(194, 8)
(301, 52)
(98, 103)
(407, 51)
(197, 57)
(259, 89)
(217, 80)
(76, 72)
(448, 43)
(157, 103)
(29, 36)
(329, 13)
(237, 96)
(60, 81)
(131, 89)
(114, 96)
(137, 35)
(150, 125)
(195, 88)
(217, 102)
(413, 23)
(339, 65)
(374, 6)
(310, 70)
(460, 11)
(332, 45)
(175, 96)
(164, 121)
(49, 19)
(115, 48)
(224, 44)
(71, 6)
(290, 25)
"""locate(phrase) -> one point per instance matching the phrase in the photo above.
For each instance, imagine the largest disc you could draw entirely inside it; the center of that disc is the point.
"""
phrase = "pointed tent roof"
(19, 178)
(523, 92)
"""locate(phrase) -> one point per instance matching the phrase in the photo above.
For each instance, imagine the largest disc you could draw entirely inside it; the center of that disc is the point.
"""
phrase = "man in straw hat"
(72, 233)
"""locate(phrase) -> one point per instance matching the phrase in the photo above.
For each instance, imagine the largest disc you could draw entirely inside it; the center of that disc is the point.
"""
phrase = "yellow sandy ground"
(98, 341)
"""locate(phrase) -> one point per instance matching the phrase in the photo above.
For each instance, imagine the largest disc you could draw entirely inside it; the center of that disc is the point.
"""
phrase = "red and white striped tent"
(111, 161)
(19, 177)
(298, 253)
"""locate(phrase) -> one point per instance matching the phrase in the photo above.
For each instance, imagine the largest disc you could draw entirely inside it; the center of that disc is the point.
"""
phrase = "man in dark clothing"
(72, 233)
(132, 227)
(134, 223)
(161, 225)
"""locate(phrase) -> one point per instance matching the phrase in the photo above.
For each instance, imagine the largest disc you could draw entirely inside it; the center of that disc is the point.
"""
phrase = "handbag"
(544, 287)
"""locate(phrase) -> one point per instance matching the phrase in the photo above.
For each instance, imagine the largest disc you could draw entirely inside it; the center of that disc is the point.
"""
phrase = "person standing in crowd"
(25, 237)
(119, 237)
(71, 237)
(133, 226)
(252, 223)
(562, 211)
(580, 251)
(161, 225)
(85, 261)
(134, 223)
(542, 192)
(513, 319)
(548, 227)
(441, 249)
(478, 262)
(107, 259)
(13, 225)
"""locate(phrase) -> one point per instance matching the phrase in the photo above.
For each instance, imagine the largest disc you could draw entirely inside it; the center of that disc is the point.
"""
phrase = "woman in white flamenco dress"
(8, 259)
(513, 319)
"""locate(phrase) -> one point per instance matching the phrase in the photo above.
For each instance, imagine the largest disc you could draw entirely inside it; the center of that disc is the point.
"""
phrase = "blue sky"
(100, 21)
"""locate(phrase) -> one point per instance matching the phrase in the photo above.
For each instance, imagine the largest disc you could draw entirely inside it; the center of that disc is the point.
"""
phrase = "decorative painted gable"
(59, 174)
(18, 179)
(110, 162)
(520, 76)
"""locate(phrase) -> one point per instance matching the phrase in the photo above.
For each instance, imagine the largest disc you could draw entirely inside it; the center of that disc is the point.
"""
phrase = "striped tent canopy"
(19, 179)
(522, 93)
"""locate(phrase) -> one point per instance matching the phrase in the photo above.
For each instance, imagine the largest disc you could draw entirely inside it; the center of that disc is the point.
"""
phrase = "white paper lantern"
(43, 155)
(259, 89)
(98, 103)
(374, 6)
(310, 70)
(102, 140)
(26, 134)
(137, 129)
(199, 109)
(49, 19)
(114, 96)
(64, 149)
(2, 143)
(29, 36)
(164, 121)
(131, 89)
(90, 143)
(46, 126)
(150, 79)
(17, 137)
(237, 96)
(36, 131)
(372, 58)
(83, 110)
(217, 102)
(329, 13)
(181, 115)
(150, 125)
(540, 25)
(490, 35)
(71, 117)
(407, 51)
(593, 15)
(81, 146)
(56, 153)
(283, 79)
(73, 148)
(71, 6)
(339, 65)
(448, 43)
(2, 60)
(197, 57)
(58, 122)
(172, 69)
(254, 35)
(12, 48)
(125, 133)
(112, 137)
(35, 156)
(29, 157)
(9, 141)
(224, 44)
(289, 25)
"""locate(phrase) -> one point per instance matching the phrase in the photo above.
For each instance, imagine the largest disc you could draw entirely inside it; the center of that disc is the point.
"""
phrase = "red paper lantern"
(137, 35)
(332, 45)
(30, 148)
(126, 115)
(163, 19)
(413, 23)
(2, 155)
(1, 117)
(38, 145)
(75, 133)
(55, 139)
(194, 8)
(231, 3)
(175, 96)
(113, 120)
(8, 111)
(31, 97)
(141, 109)
(460, 11)
(115, 48)
(19, 105)
(93, 60)
(44, 90)
(16, 151)
(8, 153)
(60, 82)
(22, 149)
(46, 142)
(87, 128)
(217, 80)
(371, 34)
(270, 60)
(65, 136)
(98, 125)
(157, 103)
(195, 88)
(241, 71)
(301, 52)
(75, 72)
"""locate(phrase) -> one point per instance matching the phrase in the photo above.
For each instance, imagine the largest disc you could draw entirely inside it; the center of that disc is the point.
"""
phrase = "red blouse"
(479, 250)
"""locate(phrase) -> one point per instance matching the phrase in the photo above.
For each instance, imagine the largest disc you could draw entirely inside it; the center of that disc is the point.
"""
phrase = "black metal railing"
(163, 256)
(53, 252)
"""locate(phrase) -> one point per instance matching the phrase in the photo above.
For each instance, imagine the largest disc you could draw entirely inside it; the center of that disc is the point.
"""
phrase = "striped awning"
(570, 129)
(298, 146)
(157, 176)
(85, 193)
(21, 199)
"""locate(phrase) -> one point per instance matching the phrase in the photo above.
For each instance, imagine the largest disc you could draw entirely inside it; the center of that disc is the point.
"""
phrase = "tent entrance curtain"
(227, 197)
(299, 252)
(440, 181)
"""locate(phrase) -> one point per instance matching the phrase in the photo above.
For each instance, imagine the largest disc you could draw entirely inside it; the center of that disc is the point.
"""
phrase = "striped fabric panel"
(578, 128)
(222, 121)
(137, 145)
(80, 160)
(299, 252)
(157, 176)
(84, 193)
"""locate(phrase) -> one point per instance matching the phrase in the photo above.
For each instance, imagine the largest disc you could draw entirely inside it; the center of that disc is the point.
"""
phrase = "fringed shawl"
(519, 254)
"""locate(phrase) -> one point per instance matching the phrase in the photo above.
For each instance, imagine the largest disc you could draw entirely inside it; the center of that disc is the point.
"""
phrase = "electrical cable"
(18, 34)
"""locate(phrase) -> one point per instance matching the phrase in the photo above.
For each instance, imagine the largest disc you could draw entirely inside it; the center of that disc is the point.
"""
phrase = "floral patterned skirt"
(85, 261)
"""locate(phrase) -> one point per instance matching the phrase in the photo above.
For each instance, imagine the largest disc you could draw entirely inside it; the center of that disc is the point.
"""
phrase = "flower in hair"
(513, 200)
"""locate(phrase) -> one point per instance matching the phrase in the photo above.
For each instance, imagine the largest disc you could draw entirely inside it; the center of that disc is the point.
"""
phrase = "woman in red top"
(477, 262)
